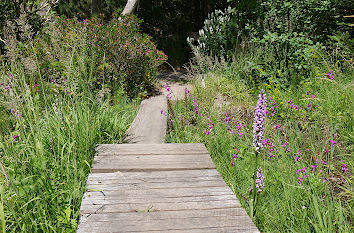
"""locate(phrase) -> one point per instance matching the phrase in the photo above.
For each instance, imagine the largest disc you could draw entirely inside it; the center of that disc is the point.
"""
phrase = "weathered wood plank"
(155, 175)
(165, 206)
(176, 224)
(177, 192)
(98, 200)
(152, 163)
(246, 229)
(159, 215)
(150, 149)
(159, 188)
(127, 180)
(157, 185)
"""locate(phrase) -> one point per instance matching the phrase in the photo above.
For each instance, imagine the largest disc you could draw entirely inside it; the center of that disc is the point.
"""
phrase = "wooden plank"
(159, 215)
(152, 163)
(99, 200)
(159, 193)
(154, 175)
(99, 181)
(159, 188)
(157, 185)
(150, 149)
(161, 206)
(176, 224)
(246, 229)
(123, 179)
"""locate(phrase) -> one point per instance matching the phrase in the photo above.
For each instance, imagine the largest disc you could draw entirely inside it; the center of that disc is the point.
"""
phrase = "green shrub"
(116, 53)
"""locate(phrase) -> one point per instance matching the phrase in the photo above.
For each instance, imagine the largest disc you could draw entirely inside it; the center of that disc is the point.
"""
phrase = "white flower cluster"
(214, 25)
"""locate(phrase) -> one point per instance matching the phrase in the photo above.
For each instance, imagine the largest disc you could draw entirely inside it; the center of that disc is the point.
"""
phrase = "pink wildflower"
(332, 142)
(330, 75)
(308, 92)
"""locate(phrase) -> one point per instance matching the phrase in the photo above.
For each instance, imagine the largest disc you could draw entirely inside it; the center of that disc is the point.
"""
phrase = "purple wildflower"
(277, 126)
(232, 163)
(332, 142)
(300, 180)
(313, 168)
(259, 119)
(330, 75)
(235, 156)
(308, 92)
(14, 137)
(259, 180)
(327, 152)
(344, 168)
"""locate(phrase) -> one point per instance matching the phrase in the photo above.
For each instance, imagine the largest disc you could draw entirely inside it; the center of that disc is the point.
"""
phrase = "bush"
(287, 33)
(116, 53)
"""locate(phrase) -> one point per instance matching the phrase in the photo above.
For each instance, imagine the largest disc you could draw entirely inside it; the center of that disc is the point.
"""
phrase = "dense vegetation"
(290, 159)
(63, 90)
(67, 84)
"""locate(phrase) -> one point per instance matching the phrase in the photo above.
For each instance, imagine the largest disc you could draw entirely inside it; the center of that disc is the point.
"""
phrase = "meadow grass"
(316, 132)
(47, 153)
(49, 129)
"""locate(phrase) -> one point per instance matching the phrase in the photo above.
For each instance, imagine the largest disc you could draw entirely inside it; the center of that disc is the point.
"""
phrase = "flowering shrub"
(213, 36)
(115, 53)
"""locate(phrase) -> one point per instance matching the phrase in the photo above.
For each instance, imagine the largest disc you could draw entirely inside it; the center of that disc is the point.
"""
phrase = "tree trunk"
(95, 7)
(130, 7)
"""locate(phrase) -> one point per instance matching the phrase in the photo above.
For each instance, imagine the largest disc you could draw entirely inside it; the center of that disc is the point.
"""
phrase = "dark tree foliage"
(86, 8)
(170, 22)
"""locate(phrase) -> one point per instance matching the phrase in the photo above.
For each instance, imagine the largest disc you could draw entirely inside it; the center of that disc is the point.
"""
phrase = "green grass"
(283, 205)
(48, 164)
(48, 134)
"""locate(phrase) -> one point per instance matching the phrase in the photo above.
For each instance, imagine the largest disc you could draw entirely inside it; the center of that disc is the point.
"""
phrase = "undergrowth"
(306, 159)
(71, 87)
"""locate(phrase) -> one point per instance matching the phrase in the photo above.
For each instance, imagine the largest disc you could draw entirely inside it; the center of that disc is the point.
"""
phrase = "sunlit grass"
(322, 201)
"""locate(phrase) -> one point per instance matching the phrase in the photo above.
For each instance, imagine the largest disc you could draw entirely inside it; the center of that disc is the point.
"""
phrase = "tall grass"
(318, 200)
(49, 127)
(47, 163)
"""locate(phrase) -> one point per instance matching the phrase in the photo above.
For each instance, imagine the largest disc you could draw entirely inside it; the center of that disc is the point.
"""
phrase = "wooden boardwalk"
(159, 188)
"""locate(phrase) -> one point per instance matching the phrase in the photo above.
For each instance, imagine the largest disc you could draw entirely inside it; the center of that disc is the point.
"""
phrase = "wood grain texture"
(150, 149)
(159, 188)
(191, 223)
(152, 163)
